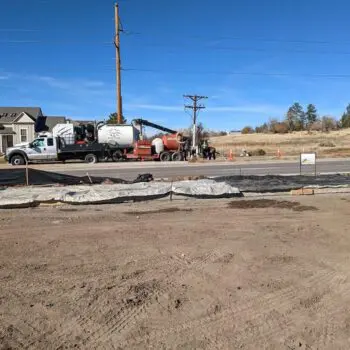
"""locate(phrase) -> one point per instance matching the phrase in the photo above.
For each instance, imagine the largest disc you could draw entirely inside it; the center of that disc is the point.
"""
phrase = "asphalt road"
(169, 170)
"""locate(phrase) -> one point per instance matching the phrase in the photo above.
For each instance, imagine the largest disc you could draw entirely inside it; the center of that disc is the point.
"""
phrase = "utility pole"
(118, 66)
(195, 107)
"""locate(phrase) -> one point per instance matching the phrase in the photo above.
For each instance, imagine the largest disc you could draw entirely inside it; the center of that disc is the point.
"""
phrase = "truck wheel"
(165, 157)
(117, 156)
(90, 158)
(177, 157)
(18, 160)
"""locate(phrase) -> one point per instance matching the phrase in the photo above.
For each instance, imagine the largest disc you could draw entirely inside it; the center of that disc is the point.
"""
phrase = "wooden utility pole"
(195, 107)
(118, 67)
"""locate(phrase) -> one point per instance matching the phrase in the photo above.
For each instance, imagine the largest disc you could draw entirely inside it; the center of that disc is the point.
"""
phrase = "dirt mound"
(159, 211)
(269, 203)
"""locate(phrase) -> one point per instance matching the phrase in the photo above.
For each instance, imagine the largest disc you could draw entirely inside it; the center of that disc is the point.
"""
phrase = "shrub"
(277, 127)
(316, 126)
(281, 128)
(329, 123)
(327, 143)
(262, 129)
(258, 153)
(247, 130)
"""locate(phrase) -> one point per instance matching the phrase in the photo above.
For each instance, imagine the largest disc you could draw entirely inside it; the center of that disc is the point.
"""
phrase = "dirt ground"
(177, 275)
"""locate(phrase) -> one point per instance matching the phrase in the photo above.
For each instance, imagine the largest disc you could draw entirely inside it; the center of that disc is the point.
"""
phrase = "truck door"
(51, 149)
(36, 150)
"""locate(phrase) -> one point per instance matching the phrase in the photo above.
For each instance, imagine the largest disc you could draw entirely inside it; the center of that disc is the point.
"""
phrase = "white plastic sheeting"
(204, 188)
(99, 194)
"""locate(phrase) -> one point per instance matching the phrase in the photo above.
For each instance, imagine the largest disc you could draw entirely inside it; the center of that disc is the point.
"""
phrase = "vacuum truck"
(98, 142)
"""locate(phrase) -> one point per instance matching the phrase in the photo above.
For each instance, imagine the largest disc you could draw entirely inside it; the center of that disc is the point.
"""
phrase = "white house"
(18, 125)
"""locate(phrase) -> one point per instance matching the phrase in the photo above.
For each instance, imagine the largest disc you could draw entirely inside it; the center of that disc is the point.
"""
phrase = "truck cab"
(43, 148)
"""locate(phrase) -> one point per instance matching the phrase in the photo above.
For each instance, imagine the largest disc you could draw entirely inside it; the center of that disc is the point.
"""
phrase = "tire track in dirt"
(115, 325)
(282, 300)
(128, 313)
(328, 327)
(86, 321)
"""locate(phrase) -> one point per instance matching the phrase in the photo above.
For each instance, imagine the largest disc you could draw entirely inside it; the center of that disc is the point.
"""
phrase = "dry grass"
(288, 144)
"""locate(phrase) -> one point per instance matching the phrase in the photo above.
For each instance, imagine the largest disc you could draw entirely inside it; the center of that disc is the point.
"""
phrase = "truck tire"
(17, 160)
(91, 158)
(177, 157)
(165, 157)
(117, 156)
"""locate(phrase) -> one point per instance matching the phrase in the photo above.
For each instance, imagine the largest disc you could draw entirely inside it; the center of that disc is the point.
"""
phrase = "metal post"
(315, 165)
(171, 191)
(27, 172)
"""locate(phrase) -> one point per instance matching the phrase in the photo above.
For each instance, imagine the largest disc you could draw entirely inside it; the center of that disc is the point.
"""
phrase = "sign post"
(308, 159)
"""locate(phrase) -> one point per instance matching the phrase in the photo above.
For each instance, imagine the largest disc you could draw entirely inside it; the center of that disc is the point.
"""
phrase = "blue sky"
(59, 55)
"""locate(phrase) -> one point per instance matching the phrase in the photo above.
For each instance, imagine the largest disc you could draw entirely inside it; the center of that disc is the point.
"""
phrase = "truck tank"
(158, 145)
(122, 136)
(171, 142)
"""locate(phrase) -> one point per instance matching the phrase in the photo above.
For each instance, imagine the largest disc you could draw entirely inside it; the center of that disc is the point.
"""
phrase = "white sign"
(308, 159)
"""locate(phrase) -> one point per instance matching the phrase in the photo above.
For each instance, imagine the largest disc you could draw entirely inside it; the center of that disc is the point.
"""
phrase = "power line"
(303, 75)
(257, 39)
(207, 48)
(218, 37)
(51, 42)
(11, 30)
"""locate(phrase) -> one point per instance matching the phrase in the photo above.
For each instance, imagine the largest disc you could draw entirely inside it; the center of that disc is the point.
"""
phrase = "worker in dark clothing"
(213, 153)
(186, 148)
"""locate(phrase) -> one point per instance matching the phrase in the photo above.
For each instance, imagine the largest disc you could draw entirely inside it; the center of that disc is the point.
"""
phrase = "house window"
(24, 135)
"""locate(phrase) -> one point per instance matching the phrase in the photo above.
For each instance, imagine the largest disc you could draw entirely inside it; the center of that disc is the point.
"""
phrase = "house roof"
(81, 122)
(6, 131)
(10, 114)
(44, 123)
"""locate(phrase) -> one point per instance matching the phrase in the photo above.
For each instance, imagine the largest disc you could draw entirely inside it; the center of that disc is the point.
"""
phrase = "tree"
(262, 129)
(311, 115)
(329, 123)
(272, 125)
(345, 119)
(201, 133)
(113, 119)
(295, 118)
(316, 126)
(247, 130)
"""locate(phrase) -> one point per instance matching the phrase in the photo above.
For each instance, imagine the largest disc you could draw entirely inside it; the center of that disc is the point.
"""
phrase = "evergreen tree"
(345, 119)
(113, 117)
(311, 115)
(295, 118)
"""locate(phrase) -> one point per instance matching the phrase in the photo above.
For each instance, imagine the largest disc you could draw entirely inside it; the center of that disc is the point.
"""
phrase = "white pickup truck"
(47, 148)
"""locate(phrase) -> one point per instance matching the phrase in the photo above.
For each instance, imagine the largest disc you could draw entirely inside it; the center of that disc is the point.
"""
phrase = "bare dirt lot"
(218, 276)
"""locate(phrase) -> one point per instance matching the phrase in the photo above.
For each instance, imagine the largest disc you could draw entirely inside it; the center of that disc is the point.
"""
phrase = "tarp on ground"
(205, 189)
(14, 197)
(17, 177)
(274, 183)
